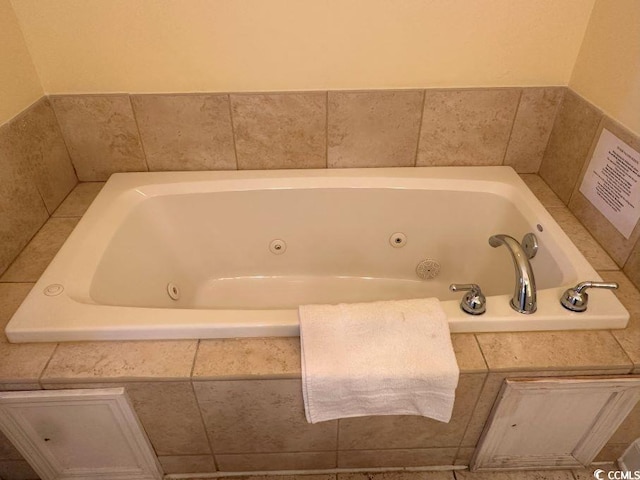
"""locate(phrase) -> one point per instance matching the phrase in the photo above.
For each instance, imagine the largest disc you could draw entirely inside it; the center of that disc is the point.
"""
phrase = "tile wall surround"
(188, 392)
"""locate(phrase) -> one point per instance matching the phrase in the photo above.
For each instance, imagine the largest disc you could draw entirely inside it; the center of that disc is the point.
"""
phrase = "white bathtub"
(209, 234)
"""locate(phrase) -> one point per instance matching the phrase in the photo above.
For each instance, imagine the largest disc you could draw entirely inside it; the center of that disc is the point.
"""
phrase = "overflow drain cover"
(173, 291)
(53, 290)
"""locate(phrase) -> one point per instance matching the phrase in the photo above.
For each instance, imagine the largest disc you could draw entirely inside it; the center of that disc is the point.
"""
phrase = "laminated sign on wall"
(612, 182)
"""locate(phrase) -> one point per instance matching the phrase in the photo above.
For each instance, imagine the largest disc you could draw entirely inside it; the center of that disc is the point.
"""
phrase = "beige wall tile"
(187, 463)
(581, 238)
(602, 230)
(468, 354)
(433, 475)
(37, 255)
(562, 350)
(11, 296)
(464, 455)
(541, 190)
(374, 129)
(415, 457)
(629, 431)
(17, 470)
(246, 358)
(286, 130)
(260, 416)
(170, 416)
(23, 363)
(78, 201)
(531, 128)
(611, 452)
(42, 151)
(7, 450)
(185, 132)
(516, 475)
(101, 134)
(629, 338)
(466, 127)
(632, 266)
(23, 210)
(119, 361)
(569, 143)
(247, 462)
(405, 431)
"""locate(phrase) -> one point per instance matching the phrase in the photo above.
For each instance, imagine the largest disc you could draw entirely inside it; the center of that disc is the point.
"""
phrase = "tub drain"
(428, 268)
(173, 291)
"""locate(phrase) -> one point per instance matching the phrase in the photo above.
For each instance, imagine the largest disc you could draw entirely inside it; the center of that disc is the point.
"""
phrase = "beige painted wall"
(19, 83)
(607, 71)
(261, 45)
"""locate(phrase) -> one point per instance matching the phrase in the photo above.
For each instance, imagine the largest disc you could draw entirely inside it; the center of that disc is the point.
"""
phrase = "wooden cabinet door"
(554, 422)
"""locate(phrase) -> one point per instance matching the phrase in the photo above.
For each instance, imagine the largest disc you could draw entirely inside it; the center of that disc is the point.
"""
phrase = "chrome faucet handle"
(473, 302)
(576, 299)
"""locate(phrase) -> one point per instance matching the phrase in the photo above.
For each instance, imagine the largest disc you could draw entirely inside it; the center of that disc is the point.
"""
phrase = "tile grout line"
(326, 130)
(204, 426)
(513, 124)
(44, 369)
(135, 119)
(233, 130)
(424, 102)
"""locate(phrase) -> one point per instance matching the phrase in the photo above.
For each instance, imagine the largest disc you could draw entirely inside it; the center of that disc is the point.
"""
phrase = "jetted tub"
(226, 254)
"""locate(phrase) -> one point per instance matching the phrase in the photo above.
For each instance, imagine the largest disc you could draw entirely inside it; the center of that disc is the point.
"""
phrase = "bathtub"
(232, 254)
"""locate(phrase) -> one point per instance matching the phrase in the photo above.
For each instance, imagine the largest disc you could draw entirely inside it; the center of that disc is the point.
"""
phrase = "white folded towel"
(380, 358)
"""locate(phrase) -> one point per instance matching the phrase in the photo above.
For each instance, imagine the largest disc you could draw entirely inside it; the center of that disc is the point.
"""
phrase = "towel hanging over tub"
(379, 358)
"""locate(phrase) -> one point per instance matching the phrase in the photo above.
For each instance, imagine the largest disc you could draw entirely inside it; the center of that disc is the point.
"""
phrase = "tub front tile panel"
(17, 470)
(37, 255)
(592, 251)
(466, 127)
(432, 475)
(515, 475)
(415, 457)
(284, 130)
(408, 431)
(121, 361)
(468, 354)
(464, 455)
(23, 210)
(246, 358)
(256, 462)
(566, 350)
(78, 201)
(101, 134)
(170, 416)
(569, 143)
(374, 129)
(629, 338)
(185, 132)
(260, 416)
(41, 150)
(604, 232)
(532, 127)
(187, 463)
(7, 450)
(541, 190)
(611, 452)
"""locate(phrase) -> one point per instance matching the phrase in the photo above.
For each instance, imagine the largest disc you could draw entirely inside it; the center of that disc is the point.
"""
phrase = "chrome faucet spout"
(524, 295)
